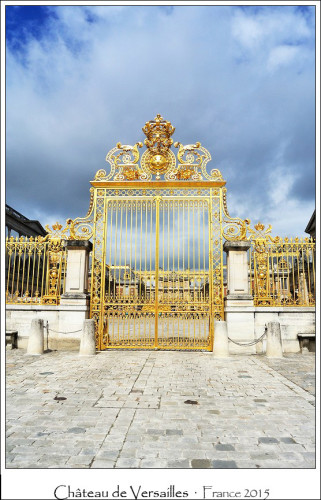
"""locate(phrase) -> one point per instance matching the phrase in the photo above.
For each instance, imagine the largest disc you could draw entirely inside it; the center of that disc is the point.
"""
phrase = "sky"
(240, 80)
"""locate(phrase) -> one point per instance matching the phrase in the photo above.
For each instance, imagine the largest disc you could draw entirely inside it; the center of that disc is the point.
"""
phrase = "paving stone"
(267, 440)
(198, 463)
(259, 421)
(157, 463)
(224, 447)
(128, 463)
(224, 464)
(178, 464)
(77, 430)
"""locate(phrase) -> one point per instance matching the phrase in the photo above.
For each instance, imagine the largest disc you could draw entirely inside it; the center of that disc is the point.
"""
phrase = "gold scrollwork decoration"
(158, 159)
(234, 228)
(260, 237)
(55, 255)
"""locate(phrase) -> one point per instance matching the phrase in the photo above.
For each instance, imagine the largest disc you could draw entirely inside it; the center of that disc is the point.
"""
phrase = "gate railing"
(35, 270)
(282, 270)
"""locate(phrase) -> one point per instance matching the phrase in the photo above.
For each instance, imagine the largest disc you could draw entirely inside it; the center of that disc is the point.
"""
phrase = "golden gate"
(157, 227)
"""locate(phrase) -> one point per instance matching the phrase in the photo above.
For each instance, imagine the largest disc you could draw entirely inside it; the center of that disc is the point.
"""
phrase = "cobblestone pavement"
(147, 409)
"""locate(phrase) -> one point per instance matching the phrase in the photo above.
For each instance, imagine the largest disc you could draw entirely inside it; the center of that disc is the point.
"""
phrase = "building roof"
(20, 223)
(310, 229)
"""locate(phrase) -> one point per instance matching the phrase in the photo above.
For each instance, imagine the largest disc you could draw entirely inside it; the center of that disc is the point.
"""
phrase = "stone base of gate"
(246, 323)
(293, 321)
(65, 323)
(239, 316)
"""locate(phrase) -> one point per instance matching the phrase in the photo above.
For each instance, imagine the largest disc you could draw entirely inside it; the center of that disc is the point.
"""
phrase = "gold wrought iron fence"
(35, 270)
(282, 270)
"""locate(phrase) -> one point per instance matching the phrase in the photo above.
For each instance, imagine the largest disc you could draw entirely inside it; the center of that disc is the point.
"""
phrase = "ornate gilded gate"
(157, 227)
(157, 223)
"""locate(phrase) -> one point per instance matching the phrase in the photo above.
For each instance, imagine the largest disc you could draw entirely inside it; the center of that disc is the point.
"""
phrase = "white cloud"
(246, 30)
(281, 56)
(269, 26)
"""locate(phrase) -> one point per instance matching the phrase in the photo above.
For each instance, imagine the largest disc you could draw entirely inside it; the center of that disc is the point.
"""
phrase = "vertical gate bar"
(28, 271)
(193, 219)
(178, 272)
(221, 253)
(116, 291)
(19, 265)
(93, 258)
(289, 265)
(199, 251)
(103, 274)
(173, 237)
(111, 242)
(156, 272)
(204, 259)
(303, 280)
(135, 249)
(126, 229)
(23, 267)
(173, 266)
(188, 267)
(204, 314)
(126, 298)
(150, 204)
(9, 257)
(141, 252)
(33, 269)
(307, 252)
(130, 241)
(168, 229)
(39, 252)
(163, 287)
(13, 270)
(145, 205)
(121, 298)
(45, 269)
(313, 266)
(115, 254)
(183, 270)
(210, 261)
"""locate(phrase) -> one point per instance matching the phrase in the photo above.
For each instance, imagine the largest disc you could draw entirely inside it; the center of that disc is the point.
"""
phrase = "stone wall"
(62, 318)
(244, 324)
(247, 324)
(292, 321)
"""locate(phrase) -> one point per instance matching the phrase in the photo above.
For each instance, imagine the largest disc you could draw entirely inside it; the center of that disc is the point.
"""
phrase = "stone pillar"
(237, 270)
(239, 305)
(74, 303)
(220, 348)
(36, 337)
(273, 340)
(88, 341)
(76, 285)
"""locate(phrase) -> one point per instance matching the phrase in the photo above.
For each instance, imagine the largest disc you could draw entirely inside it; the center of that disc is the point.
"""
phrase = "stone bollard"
(220, 349)
(36, 337)
(88, 341)
(273, 340)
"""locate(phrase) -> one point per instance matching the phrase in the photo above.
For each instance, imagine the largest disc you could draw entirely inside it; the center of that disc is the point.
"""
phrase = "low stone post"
(36, 337)
(273, 340)
(88, 341)
(220, 348)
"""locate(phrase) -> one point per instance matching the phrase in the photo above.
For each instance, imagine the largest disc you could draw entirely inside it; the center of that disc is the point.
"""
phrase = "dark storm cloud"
(239, 80)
